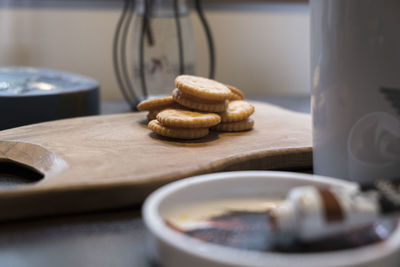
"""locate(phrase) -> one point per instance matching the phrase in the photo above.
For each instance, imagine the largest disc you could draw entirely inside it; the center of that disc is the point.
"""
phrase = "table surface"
(109, 238)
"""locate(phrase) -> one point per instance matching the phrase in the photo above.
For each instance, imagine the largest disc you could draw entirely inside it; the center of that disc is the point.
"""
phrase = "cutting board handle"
(28, 162)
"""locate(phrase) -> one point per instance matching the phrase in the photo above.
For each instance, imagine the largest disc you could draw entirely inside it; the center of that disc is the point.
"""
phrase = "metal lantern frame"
(120, 40)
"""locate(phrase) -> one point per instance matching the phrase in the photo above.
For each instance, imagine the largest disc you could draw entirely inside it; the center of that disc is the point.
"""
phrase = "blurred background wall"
(262, 48)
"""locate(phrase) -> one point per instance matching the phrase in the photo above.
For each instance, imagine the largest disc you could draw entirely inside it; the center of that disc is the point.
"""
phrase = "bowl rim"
(236, 257)
(84, 83)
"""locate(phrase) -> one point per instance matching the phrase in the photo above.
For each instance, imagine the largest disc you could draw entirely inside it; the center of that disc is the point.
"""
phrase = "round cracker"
(202, 87)
(178, 118)
(198, 104)
(237, 126)
(236, 93)
(152, 114)
(237, 110)
(155, 103)
(156, 127)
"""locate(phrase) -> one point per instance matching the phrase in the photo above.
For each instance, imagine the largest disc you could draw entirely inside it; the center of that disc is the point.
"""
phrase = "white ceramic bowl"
(173, 249)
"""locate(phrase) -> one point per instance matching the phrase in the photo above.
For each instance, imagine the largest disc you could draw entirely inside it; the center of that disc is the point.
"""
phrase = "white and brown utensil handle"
(311, 213)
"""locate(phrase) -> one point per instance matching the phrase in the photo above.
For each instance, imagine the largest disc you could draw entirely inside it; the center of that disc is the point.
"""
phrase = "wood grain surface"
(110, 161)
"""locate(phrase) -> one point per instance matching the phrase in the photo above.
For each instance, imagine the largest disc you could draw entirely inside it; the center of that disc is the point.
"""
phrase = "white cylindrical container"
(355, 61)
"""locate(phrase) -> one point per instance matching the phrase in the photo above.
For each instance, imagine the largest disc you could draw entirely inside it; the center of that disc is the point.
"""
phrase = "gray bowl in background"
(32, 95)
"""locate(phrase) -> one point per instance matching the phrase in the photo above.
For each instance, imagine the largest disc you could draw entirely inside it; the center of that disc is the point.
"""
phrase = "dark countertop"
(109, 238)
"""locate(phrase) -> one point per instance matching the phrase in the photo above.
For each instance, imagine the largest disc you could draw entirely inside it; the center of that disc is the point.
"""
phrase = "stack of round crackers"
(198, 104)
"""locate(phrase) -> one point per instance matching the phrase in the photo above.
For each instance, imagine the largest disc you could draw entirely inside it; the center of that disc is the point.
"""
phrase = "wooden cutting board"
(103, 162)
